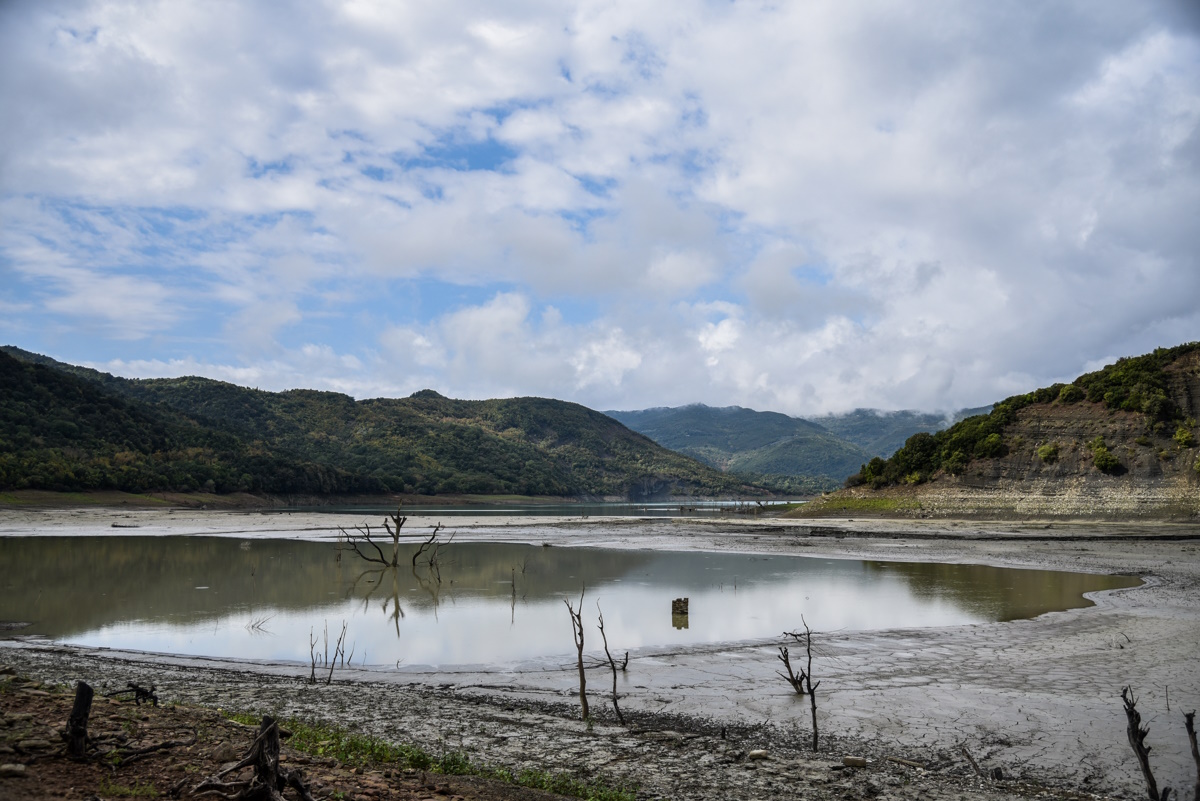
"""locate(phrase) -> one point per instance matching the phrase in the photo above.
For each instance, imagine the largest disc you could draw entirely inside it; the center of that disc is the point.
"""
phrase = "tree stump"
(77, 723)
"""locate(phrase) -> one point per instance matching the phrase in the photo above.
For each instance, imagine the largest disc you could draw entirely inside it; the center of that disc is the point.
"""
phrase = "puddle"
(484, 602)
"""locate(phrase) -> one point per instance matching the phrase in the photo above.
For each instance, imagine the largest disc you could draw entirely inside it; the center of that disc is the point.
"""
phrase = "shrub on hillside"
(1184, 436)
(1071, 394)
(1048, 453)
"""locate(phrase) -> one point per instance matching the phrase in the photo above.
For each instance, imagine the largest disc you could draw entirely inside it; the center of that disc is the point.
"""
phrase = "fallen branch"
(140, 694)
(974, 764)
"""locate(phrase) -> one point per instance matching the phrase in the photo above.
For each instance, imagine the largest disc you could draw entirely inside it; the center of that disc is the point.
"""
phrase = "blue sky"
(805, 207)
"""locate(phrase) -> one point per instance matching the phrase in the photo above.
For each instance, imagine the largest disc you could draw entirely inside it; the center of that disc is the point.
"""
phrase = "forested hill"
(70, 428)
(1135, 417)
(786, 452)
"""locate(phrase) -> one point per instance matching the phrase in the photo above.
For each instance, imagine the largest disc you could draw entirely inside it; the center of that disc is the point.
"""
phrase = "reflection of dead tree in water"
(363, 540)
(802, 682)
(375, 579)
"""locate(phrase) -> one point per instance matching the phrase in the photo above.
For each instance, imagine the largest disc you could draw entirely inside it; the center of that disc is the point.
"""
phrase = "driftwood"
(140, 694)
(269, 779)
(1137, 741)
(77, 723)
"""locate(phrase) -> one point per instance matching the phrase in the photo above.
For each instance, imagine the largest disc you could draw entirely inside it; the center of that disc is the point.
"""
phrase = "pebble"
(854, 762)
(758, 753)
(12, 771)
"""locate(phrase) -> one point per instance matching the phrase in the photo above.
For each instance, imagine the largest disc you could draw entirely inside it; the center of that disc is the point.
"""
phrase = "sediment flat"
(1039, 699)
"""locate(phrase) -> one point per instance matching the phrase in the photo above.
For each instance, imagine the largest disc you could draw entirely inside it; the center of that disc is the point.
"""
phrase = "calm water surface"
(482, 602)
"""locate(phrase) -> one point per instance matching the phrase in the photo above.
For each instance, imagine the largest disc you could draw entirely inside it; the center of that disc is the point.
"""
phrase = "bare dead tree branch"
(1190, 724)
(577, 633)
(269, 779)
(1137, 741)
(797, 681)
(426, 544)
(611, 662)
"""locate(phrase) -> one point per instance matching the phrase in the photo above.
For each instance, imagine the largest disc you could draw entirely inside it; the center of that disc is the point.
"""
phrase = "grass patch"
(359, 750)
(834, 505)
(125, 791)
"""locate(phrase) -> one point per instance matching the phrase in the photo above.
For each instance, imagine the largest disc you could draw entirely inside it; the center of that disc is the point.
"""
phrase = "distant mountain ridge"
(65, 427)
(789, 453)
(883, 433)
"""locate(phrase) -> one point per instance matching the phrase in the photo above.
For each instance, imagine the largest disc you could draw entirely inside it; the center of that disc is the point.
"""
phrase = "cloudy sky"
(802, 206)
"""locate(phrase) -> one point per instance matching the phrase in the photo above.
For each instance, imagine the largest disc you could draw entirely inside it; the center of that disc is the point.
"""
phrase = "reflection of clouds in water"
(472, 629)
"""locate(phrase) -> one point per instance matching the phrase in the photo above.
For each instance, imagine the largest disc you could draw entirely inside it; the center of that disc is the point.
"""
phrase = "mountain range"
(64, 427)
(789, 454)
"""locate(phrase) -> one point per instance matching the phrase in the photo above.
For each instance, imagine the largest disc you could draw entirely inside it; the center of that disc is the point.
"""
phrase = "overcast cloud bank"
(800, 207)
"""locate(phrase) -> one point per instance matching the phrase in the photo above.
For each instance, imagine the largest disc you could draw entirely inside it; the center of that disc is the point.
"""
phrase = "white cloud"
(802, 206)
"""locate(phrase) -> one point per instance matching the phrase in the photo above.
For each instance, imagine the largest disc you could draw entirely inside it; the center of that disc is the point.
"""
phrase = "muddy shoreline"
(1038, 699)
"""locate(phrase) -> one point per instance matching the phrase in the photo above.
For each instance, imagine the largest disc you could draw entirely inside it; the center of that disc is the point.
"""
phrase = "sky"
(804, 207)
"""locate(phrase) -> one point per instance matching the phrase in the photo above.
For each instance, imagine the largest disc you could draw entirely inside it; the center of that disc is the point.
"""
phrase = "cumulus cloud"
(804, 207)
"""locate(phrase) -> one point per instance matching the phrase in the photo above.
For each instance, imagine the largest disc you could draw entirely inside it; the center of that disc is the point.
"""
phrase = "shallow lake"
(480, 602)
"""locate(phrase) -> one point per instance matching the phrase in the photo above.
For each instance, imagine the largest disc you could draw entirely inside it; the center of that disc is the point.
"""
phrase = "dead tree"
(1190, 724)
(364, 537)
(1137, 741)
(803, 683)
(77, 723)
(577, 632)
(269, 779)
(611, 662)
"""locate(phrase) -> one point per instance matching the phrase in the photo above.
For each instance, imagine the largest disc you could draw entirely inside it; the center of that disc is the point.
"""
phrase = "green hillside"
(785, 452)
(1158, 389)
(72, 428)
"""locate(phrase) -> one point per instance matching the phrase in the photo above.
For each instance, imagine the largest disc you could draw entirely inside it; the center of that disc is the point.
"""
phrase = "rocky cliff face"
(1050, 468)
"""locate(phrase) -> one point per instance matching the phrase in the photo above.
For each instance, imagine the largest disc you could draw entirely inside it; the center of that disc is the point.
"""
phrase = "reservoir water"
(480, 602)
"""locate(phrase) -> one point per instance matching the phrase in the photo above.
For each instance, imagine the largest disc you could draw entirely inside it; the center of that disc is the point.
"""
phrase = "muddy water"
(480, 602)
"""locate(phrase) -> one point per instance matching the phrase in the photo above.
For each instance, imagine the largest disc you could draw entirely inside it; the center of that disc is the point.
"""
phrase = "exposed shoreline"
(1038, 698)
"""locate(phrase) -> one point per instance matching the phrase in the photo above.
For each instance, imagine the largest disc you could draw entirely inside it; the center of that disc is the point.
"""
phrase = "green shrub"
(956, 464)
(1071, 394)
(1184, 437)
(990, 446)
(1048, 453)
(1105, 462)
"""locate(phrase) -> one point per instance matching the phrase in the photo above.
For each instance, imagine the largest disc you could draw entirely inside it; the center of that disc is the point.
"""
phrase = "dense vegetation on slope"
(60, 432)
(72, 428)
(1136, 384)
(787, 453)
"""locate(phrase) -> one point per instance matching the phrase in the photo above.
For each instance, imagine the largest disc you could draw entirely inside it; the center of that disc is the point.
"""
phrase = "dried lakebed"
(1038, 698)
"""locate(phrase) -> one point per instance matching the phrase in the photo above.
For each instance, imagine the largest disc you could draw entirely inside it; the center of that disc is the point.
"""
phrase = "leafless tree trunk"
(611, 663)
(1190, 725)
(803, 683)
(1137, 741)
(577, 632)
